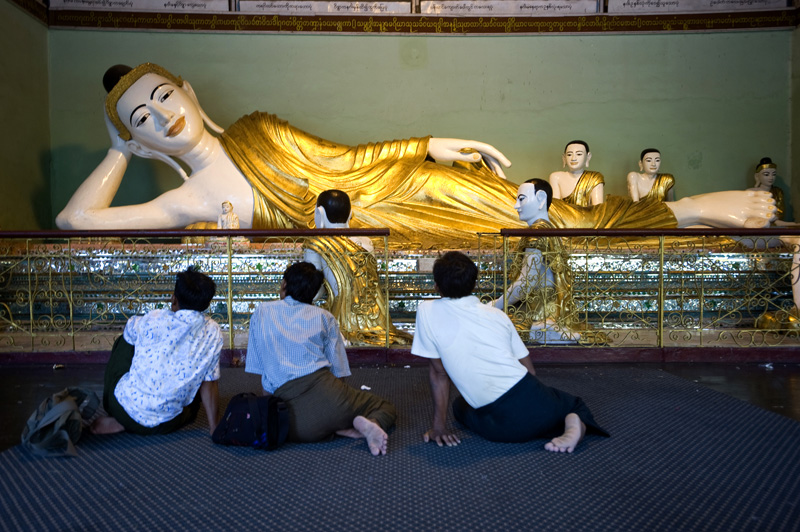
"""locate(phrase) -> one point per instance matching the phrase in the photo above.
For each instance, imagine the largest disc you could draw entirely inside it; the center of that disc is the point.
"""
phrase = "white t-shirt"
(174, 353)
(479, 346)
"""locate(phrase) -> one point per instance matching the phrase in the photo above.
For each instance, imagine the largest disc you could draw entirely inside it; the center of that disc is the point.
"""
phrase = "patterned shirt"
(174, 353)
(290, 339)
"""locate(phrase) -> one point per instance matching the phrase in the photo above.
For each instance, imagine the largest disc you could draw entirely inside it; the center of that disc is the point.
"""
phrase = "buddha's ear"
(588, 158)
(541, 200)
(209, 123)
(138, 149)
(563, 160)
(641, 166)
(321, 218)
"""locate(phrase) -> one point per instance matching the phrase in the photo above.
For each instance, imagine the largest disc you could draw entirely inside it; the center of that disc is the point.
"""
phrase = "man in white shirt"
(299, 352)
(477, 346)
(165, 364)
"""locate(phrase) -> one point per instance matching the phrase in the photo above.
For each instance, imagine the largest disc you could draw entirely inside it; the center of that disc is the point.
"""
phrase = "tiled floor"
(774, 387)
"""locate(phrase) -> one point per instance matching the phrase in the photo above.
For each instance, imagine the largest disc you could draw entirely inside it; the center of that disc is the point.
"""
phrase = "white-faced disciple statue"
(540, 279)
(539, 296)
(228, 219)
(765, 176)
(647, 183)
(576, 184)
(273, 173)
(351, 275)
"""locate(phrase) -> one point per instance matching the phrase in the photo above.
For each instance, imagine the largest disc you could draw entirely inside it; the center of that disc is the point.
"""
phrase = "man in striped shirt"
(299, 352)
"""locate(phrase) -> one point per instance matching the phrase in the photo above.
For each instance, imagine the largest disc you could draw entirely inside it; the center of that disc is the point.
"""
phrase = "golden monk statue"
(647, 183)
(765, 176)
(273, 173)
(351, 275)
(576, 184)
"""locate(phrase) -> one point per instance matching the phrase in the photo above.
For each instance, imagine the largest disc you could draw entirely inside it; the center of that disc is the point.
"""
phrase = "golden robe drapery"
(581, 195)
(661, 186)
(360, 307)
(391, 184)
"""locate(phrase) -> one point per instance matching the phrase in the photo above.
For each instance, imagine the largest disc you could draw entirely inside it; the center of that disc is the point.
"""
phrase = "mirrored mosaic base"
(74, 295)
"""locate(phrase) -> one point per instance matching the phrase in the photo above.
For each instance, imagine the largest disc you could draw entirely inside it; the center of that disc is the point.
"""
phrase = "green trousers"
(320, 404)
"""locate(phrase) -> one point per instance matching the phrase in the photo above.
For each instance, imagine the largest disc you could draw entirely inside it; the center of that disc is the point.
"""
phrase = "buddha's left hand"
(469, 151)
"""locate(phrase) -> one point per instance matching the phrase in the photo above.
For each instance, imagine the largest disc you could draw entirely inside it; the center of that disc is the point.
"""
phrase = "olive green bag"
(56, 425)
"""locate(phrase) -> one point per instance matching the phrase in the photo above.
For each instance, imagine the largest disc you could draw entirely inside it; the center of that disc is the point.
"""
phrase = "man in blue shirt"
(299, 352)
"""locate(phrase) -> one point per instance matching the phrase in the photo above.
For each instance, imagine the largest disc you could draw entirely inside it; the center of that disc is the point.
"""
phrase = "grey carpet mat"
(681, 457)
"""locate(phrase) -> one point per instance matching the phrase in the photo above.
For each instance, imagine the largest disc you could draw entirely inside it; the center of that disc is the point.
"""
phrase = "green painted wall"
(713, 103)
(25, 141)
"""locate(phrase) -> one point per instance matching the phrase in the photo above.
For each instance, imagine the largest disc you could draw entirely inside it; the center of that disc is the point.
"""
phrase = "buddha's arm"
(598, 194)
(532, 264)
(633, 189)
(553, 180)
(96, 192)
(309, 255)
(174, 209)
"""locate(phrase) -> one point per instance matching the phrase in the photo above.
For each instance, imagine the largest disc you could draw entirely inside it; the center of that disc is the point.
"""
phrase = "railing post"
(30, 292)
(386, 285)
(661, 297)
(70, 298)
(505, 274)
(230, 291)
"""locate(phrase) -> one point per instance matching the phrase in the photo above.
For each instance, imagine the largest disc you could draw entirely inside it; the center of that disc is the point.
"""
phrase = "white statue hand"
(117, 143)
(469, 151)
(494, 165)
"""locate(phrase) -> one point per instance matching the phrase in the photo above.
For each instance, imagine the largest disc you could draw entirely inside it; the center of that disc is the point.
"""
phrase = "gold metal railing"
(649, 288)
(74, 291)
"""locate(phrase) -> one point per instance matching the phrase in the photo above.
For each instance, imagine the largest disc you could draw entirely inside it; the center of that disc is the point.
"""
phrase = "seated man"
(161, 361)
(477, 347)
(297, 349)
(351, 271)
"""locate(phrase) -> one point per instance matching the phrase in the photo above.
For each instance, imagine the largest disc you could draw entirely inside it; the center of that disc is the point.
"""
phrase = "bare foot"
(106, 425)
(574, 429)
(377, 440)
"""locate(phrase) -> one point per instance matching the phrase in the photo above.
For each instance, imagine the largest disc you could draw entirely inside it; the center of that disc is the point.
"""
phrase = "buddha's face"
(576, 158)
(650, 163)
(528, 206)
(766, 177)
(227, 207)
(161, 116)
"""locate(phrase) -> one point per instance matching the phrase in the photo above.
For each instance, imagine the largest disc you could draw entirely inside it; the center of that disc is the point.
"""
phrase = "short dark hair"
(194, 290)
(581, 142)
(303, 281)
(455, 274)
(336, 204)
(541, 184)
(646, 151)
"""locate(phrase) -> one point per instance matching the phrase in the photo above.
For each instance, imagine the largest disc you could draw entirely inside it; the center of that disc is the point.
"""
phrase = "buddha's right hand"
(117, 142)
